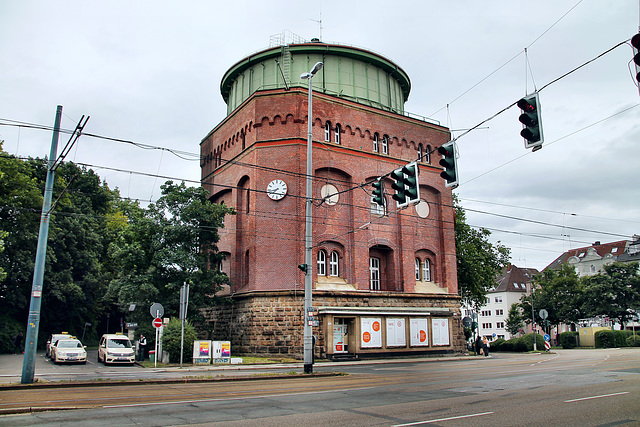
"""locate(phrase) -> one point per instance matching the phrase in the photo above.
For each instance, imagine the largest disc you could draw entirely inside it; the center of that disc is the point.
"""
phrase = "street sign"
(157, 322)
(157, 310)
(543, 314)
(547, 337)
(547, 345)
(466, 322)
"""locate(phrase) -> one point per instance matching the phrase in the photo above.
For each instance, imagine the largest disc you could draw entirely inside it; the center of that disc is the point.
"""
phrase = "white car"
(115, 348)
(53, 339)
(68, 350)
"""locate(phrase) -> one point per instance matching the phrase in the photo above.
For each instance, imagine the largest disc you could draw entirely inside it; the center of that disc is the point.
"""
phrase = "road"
(568, 388)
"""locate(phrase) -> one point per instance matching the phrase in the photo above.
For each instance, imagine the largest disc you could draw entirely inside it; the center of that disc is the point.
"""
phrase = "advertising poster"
(371, 332)
(419, 332)
(440, 331)
(201, 352)
(396, 334)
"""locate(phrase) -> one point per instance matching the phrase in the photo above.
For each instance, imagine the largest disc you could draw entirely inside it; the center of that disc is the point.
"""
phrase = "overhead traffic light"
(378, 192)
(531, 120)
(450, 164)
(635, 43)
(406, 185)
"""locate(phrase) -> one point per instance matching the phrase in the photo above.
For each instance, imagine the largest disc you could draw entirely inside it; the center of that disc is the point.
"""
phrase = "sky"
(149, 72)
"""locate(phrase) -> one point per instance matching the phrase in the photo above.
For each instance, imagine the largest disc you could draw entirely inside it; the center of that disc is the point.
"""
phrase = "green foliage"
(523, 344)
(171, 337)
(614, 293)
(515, 319)
(560, 293)
(633, 341)
(604, 339)
(478, 260)
(528, 341)
(9, 328)
(496, 345)
(569, 339)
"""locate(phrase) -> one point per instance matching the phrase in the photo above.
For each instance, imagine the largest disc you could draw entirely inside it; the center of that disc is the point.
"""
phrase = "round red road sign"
(157, 322)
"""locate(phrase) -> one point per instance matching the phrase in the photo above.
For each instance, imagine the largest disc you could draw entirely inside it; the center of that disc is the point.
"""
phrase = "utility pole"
(31, 341)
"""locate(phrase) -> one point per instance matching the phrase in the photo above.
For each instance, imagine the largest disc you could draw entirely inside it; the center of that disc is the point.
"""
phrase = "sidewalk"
(11, 369)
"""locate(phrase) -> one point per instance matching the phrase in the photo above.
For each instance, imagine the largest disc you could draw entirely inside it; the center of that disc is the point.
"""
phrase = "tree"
(614, 293)
(559, 292)
(515, 320)
(172, 243)
(479, 261)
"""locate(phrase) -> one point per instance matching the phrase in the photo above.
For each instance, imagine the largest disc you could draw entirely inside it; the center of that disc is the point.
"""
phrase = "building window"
(376, 148)
(500, 325)
(322, 263)
(417, 269)
(385, 144)
(498, 299)
(500, 312)
(485, 313)
(378, 210)
(374, 274)
(486, 326)
(337, 134)
(426, 270)
(593, 268)
(327, 131)
(427, 155)
(420, 152)
(334, 263)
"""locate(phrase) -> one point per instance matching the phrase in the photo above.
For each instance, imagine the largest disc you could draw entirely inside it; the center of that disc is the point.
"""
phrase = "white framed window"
(427, 155)
(322, 263)
(498, 299)
(336, 137)
(385, 144)
(417, 269)
(500, 325)
(376, 147)
(486, 326)
(420, 152)
(499, 312)
(327, 131)
(378, 210)
(426, 270)
(374, 273)
(334, 264)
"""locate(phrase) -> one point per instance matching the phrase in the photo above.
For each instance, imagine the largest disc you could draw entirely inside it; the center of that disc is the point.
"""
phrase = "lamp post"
(308, 241)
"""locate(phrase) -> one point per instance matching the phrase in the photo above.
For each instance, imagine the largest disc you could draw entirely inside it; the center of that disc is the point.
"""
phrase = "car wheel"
(55, 359)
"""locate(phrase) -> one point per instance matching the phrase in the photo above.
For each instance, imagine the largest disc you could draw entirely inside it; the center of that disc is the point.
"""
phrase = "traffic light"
(635, 43)
(450, 164)
(531, 120)
(378, 192)
(406, 185)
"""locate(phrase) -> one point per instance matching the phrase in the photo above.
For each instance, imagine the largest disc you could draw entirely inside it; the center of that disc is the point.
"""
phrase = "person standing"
(142, 347)
(17, 341)
(478, 345)
(485, 346)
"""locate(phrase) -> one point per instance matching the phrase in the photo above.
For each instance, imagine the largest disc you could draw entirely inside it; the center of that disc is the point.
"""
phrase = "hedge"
(569, 339)
(522, 344)
(633, 341)
(604, 339)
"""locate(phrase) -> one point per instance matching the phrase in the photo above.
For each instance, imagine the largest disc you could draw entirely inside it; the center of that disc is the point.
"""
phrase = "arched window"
(322, 262)
(337, 134)
(417, 269)
(385, 144)
(327, 131)
(334, 264)
(427, 155)
(420, 152)
(426, 270)
(376, 148)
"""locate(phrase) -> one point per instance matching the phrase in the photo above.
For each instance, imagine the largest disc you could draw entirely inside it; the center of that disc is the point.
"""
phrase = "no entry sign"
(157, 322)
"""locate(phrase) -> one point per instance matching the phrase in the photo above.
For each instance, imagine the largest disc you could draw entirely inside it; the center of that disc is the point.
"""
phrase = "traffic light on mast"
(531, 120)
(635, 43)
(450, 164)
(378, 192)
(406, 185)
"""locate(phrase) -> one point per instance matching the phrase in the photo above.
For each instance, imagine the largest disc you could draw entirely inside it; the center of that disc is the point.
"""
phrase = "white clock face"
(277, 189)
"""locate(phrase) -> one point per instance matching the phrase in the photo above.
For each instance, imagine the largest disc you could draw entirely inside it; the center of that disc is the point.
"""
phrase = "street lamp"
(308, 241)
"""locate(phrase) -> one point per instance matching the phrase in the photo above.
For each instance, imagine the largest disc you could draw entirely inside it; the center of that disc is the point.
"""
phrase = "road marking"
(444, 419)
(596, 397)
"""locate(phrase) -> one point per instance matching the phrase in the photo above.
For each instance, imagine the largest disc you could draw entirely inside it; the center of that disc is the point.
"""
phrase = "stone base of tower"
(350, 324)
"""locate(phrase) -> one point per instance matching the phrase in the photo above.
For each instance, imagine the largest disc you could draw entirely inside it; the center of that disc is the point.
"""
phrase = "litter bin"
(152, 356)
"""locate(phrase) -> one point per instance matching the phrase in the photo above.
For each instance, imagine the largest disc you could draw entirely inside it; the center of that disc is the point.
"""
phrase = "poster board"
(396, 332)
(440, 331)
(221, 351)
(202, 352)
(419, 332)
(370, 332)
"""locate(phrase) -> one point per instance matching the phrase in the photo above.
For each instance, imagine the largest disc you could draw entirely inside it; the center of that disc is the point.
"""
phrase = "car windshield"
(119, 343)
(69, 344)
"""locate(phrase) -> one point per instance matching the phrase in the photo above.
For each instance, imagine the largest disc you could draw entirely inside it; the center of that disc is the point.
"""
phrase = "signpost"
(157, 310)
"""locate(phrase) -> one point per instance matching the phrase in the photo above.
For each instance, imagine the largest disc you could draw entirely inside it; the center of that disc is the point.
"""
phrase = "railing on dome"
(286, 37)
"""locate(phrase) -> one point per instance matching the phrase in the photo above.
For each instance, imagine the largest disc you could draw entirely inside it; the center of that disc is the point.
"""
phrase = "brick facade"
(264, 139)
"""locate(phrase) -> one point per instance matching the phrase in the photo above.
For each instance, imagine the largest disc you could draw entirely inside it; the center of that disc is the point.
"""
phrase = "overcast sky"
(150, 72)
